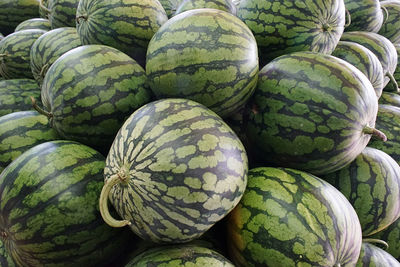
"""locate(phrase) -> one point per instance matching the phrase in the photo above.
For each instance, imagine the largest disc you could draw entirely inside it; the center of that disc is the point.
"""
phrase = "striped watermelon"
(388, 121)
(125, 25)
(291, 218)
(174, 170)
(366, 15)
(13, 12)
(225, 5)
(5, 258)
(15, 95)
(391, 27)
(371, 183)
(312, 112)
(170, 6)
(380, 46)
(206, 55)
(393, 86)
(89, 91)
(43, 10)
(281, 27)
(62, 13)
(35, 23)
(362, 58)
(371, 256)
(180, 256)
(390, 98)
(49, 47)
(391, 235)
(14, 53)
(20, 131)
(49, 214)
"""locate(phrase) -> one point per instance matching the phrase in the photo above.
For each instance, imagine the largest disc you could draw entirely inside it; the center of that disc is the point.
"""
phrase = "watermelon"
(390, 98)
(225, 5)
(282, 27)
(43, 10)
(174, 170)
(35, 23)
(371, 183)
(206, 55)
(312, 112)
(5, 258)
(170, 6)
(393, 86)
(62, 13)
(371, 256)
(388, 121)
(380, 46)
(20, 131)
(289, 217)
(180, 256)
(14, 53)
(89, 91)
(49, 47)
(366, 15)
(48, 211)
(13, 12)
(362, 58)
(15, 95)
(391, 27)
(391, 236)
(125, 25)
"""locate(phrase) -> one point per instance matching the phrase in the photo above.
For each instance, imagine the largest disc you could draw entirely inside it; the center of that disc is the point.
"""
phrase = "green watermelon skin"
(183, 168)
(14, 12)
(62, 13)
(371, 183)
(5, 258)
(225, 5)
(391, 235)
(390, 98)
(372, 256)
(90, 91)
(362, 58)
(14, 53)
(287, 217)
(383, 49)
(15, 95)
(180, 256)
(390, 28)
(219, 71)
(282, 27)
(125, 25)
(170, 6)
(309, 112)
(393, 86)
(49, 214)
(366, 15)
(49, 47)
(35, 23)
(20, 131)
(388, 121)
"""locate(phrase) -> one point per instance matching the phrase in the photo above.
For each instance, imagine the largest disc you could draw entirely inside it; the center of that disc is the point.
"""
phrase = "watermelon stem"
(44, 70)
(375, 132)
(386, 13)
(80, 17)
(39, 109)
(393, 81)
(377, 241)
(42, 6)
(103, 204)
(348, 18)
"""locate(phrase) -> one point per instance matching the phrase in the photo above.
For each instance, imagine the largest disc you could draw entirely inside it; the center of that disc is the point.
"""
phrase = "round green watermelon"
(34, 23)
(365, 15)
(225, 5)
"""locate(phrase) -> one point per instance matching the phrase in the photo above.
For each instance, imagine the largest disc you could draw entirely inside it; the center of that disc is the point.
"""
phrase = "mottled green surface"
(373, 256)
(15, 95)
(364, 60)
(170, 6)
(48, 208)
(49, 47)
(391, 235)
(90, 91)
(225, 5)
(291, 218)
(281, 27)
(35, 23)
(180, 256)
(125, 25)
(20, 131)
(62, 13)
(393, 86)
(383, 49)
(309, 111)
(388, 121)
(14, 53)
(5, 259)
(206, 55)
(391, 26)
(185, 170)
(366, 15)
(13, 12)
(390, 98)
(371, 183)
